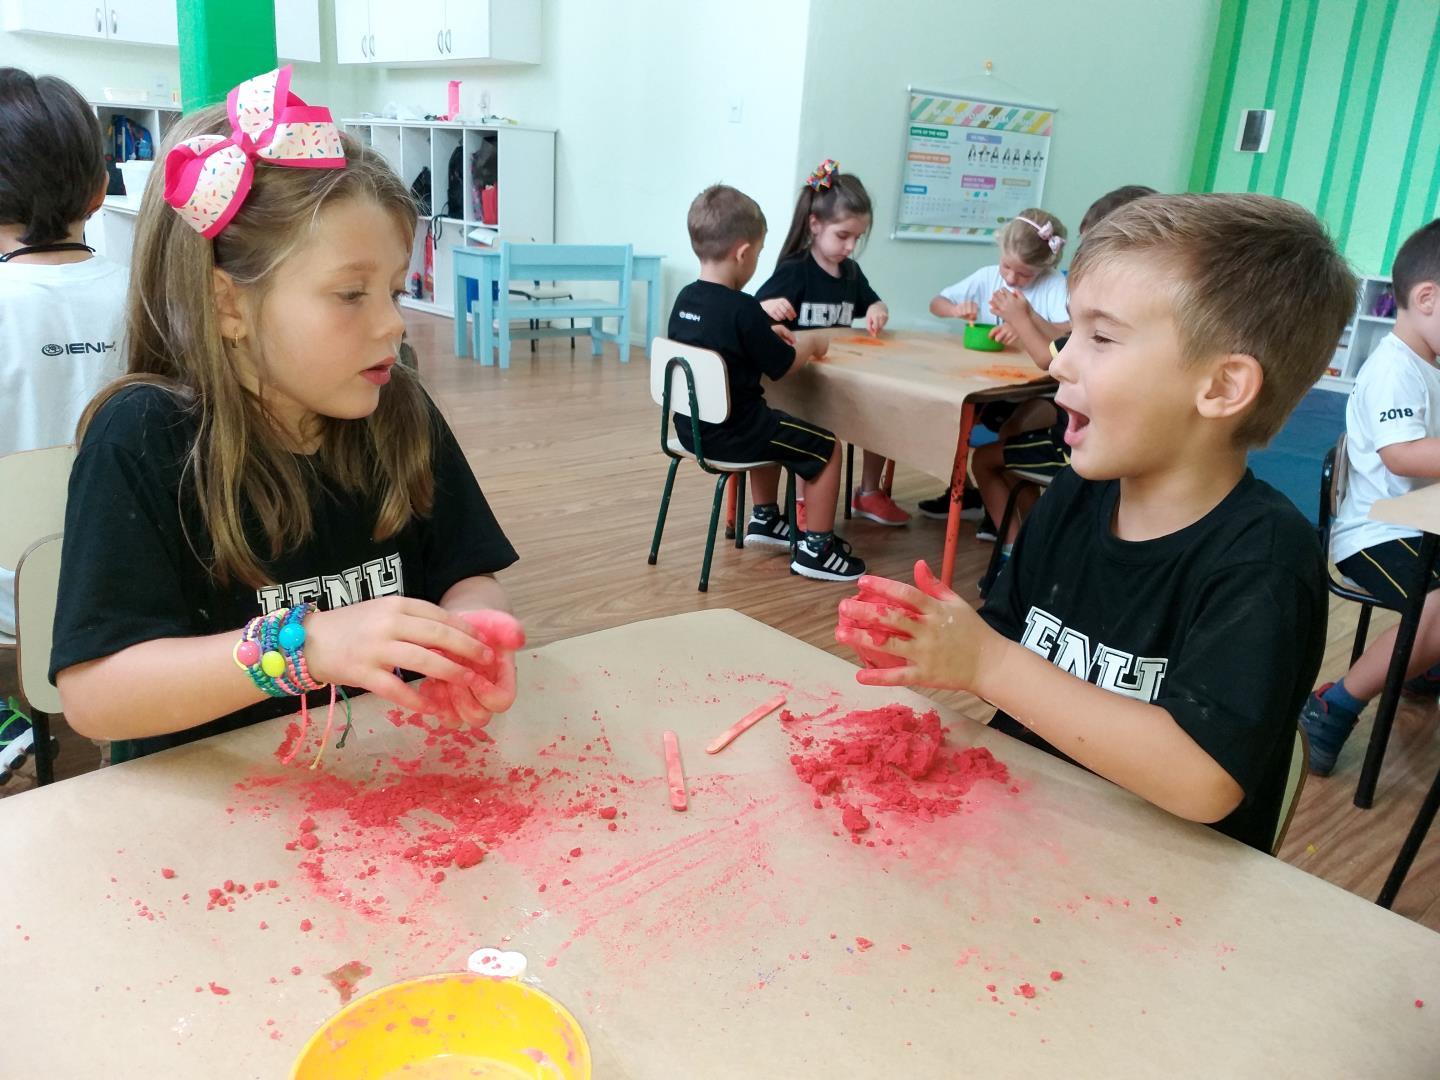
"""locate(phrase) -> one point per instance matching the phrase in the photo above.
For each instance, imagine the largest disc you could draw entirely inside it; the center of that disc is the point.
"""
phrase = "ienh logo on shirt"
(1110, 669)
(375, 578)
(77, 348)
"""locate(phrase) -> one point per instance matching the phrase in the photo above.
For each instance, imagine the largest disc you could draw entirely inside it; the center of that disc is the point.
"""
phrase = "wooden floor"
(565, 447)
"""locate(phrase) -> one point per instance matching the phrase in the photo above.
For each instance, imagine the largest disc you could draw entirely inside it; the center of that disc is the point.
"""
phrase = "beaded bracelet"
(270, 651)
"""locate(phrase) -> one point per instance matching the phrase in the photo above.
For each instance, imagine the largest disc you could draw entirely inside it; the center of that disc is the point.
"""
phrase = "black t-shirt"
(732, 323)
(1221, 624)
(130, 573)
(819, 299)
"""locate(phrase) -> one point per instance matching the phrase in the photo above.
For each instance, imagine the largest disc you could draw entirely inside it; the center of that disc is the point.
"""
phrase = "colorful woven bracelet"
(270, 651)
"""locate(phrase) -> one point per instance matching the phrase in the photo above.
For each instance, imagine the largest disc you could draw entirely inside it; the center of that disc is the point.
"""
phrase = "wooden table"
(726, 941)
(1420, 509)
(912, 397)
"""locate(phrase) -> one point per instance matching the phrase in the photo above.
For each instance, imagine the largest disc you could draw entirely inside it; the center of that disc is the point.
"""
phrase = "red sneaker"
(879, 507)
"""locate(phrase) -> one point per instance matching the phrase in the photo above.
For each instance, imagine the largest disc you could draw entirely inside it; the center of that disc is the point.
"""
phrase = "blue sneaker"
(1328, 726)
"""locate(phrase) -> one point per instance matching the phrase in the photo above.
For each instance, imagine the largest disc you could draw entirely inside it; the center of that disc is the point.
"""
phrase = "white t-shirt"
(1047, 294)
(1396, 400)
(60, 330)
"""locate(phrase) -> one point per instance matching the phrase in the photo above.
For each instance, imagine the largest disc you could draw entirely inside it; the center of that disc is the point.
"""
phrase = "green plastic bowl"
(978, 337)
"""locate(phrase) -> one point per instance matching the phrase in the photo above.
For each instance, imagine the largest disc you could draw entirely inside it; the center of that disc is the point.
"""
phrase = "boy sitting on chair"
(1163, 615)
(727, 231)
(1392, 423)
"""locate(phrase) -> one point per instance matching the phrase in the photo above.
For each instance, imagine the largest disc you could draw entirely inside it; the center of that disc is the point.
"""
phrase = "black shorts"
(771, 435)
(1387, 571)
(1036, 451)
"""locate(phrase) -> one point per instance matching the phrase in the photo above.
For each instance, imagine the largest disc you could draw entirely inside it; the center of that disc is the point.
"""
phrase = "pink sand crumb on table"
(864, 944)
(1056, 976)
(467, 854)
(166, 872)
(1025, 990)
(216, 988)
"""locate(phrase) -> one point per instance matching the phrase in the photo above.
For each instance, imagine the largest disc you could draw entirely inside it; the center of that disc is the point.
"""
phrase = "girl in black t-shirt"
(266, 506)
(817, 285)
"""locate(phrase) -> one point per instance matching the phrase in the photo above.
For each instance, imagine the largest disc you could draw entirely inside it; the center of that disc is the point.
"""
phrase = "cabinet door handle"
(450, 48)
(440, 41)
(362, 46)
(372, 46)
(99, 22)
(114, 22)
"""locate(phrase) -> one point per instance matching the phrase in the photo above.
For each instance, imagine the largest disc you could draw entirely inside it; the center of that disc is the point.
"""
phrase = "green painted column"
(222, 43)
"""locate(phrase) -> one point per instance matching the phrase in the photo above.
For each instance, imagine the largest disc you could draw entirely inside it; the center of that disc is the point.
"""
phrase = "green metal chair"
(691, 382)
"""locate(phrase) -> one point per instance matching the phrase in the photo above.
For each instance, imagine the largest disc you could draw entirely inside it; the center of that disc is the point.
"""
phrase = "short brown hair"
(52, 161)
(721, 217)
(1249, 274)
(1111, 201)
(1417, 262)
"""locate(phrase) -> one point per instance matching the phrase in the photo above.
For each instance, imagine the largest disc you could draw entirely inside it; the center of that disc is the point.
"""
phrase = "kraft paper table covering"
(1418, 509)
(902, 397)
(700, 944)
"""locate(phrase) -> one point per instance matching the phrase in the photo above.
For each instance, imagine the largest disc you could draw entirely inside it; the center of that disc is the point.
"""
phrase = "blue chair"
(528, 263)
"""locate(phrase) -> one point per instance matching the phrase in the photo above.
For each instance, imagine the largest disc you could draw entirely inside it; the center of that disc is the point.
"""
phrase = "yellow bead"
(273, 664)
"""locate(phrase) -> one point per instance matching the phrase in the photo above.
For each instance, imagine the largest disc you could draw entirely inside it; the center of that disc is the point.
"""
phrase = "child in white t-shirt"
(1392, 424)
(62, 309)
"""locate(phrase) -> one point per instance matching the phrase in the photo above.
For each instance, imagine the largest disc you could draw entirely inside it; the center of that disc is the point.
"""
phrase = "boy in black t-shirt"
(1157, 568)
(727, 231)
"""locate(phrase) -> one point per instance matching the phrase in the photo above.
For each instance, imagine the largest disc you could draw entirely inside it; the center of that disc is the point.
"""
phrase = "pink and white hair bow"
(1046, 232)
(208, 177)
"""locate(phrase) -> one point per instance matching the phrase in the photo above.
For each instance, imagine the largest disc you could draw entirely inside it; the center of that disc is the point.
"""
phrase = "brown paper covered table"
(912, 397)
(746, 937)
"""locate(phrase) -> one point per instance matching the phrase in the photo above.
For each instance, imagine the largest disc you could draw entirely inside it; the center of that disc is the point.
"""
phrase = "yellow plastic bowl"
(978, 337)
(453, 1024)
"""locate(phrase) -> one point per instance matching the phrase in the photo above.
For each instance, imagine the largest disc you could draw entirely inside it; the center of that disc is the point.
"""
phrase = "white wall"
(1127, 77)
(639, 91)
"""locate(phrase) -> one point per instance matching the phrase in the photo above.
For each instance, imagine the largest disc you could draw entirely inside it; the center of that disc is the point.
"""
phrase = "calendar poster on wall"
(970, 165)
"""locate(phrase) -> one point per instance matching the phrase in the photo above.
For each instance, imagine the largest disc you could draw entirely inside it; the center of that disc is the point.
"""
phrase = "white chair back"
(37, 584)
(712, 390)
(35, 483)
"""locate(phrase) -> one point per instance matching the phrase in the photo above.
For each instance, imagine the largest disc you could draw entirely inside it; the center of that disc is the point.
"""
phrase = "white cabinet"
(77, 18)
(297, 30)
(153, 22)
(142, 22)
(437, 32)
(136, 22)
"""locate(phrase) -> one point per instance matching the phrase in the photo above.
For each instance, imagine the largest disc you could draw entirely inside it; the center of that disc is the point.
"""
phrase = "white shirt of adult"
(60, 342)
(1048, 294)
(1396, 400)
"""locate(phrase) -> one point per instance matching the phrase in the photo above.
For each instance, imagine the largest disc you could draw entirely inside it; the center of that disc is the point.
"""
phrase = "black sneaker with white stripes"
(772, 532)
(832, 562)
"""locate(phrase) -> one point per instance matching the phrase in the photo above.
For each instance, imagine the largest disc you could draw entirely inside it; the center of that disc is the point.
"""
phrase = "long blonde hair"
(240, 467)
(1020, 237)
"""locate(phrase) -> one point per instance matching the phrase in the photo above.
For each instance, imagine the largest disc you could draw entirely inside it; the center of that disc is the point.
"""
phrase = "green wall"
(1357, 114)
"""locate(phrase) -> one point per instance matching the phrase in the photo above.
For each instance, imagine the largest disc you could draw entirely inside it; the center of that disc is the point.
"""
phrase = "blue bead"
(292, 636)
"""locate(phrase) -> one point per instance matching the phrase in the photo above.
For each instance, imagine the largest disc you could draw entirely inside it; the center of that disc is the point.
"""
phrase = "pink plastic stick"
(749, 720)
(676, 773)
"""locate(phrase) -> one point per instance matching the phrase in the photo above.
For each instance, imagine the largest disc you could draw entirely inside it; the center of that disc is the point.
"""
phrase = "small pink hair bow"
(1046, 232)
(208, 177)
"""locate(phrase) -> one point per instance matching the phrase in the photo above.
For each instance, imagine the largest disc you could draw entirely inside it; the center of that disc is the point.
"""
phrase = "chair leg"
(572, 335)
(790, 512)
(992, 569)
(849, 477)
(738, 509)
(664, 509)
(720, 482)
(1362, 631)
(44, 755)
(534, 325)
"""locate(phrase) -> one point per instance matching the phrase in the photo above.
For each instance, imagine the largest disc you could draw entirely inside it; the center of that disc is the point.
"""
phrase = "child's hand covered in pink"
(867, 640)
(492, 688)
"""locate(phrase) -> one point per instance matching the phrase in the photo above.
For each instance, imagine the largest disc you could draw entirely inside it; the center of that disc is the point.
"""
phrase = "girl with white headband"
(267, 509)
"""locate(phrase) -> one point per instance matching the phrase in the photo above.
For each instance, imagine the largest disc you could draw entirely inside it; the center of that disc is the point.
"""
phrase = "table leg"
(957, 493)
(652, 305)
(1411, 847)
(1395, 676)
(462, 314)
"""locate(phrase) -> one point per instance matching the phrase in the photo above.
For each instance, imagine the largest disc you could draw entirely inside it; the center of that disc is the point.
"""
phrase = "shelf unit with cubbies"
(111, 231)
(524, 167)
(1360, 336)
